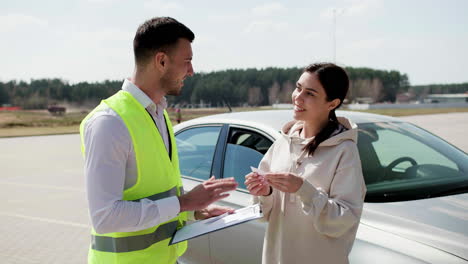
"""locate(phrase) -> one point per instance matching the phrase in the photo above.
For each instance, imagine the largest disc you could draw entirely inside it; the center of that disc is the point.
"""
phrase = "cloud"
(360, 8)
(162, 6)
(264, 26)
(354, 8)
(102, 1)
(313, 35)
(368, 44)
(15, 22)
(268, 9)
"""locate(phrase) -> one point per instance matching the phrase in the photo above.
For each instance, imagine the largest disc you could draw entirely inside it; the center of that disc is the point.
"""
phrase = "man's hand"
(257, 184)
(212, 210)
(206, 193)
(285, 182)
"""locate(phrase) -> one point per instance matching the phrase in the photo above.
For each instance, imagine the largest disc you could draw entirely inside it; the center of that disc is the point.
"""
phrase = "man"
(134, 187)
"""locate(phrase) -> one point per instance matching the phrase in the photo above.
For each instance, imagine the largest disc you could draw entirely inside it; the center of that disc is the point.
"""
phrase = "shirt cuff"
(265, 201)
(168, 208)
(191, 216)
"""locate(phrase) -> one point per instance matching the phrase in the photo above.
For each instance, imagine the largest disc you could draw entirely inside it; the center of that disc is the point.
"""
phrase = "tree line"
(236, 87)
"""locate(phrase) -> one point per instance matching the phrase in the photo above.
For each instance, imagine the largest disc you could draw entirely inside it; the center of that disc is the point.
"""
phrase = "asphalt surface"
(44, 217)
(452, 127)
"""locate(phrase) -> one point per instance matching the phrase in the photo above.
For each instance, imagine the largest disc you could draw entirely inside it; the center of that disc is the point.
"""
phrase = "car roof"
(277, 118)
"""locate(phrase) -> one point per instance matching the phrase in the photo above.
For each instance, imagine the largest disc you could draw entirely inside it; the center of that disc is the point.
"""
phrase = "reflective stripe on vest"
(133, 243)
(166, 194)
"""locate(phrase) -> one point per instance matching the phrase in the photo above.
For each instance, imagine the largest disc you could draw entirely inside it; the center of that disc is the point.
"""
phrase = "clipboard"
(216, 223)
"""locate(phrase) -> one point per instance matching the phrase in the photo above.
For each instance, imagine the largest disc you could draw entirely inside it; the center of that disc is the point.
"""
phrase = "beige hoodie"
(318, 223)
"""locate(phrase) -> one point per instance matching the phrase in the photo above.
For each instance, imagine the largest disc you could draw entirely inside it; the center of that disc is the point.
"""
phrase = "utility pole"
(335, 13)
(334, 35)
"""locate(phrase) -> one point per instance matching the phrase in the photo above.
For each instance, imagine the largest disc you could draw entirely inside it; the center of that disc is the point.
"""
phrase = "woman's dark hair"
(335, 82)
(158, 34)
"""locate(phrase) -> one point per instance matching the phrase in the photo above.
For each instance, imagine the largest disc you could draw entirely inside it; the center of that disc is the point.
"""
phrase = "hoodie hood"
(291, 132)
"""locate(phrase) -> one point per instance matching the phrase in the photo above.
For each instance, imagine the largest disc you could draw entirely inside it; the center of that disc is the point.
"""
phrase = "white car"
(416, 207)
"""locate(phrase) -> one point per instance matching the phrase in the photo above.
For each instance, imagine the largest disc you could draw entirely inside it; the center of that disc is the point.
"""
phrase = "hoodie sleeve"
(335, 213)
(266, 202)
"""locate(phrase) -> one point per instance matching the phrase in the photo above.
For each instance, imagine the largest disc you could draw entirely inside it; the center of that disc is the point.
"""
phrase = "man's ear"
(160, 59)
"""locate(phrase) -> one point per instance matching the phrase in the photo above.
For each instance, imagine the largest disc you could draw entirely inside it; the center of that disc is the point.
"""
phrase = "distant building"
(363, 100)
(404, 97)
(446, 98)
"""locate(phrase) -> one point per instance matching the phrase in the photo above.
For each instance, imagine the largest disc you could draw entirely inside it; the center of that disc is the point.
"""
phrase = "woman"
(312, 192)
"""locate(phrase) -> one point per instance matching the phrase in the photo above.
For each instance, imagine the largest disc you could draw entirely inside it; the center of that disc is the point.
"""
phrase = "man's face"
(179, 67)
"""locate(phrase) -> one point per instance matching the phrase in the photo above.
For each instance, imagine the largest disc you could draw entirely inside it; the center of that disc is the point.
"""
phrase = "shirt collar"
(142, 98)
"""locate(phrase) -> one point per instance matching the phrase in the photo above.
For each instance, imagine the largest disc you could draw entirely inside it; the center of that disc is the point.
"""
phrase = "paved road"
(452, 127)
(45, 218)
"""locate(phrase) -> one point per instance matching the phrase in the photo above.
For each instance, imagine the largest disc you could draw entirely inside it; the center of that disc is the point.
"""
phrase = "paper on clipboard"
(209, 225)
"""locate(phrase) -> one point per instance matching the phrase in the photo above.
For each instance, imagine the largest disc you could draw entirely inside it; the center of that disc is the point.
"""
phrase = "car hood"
(440, 222)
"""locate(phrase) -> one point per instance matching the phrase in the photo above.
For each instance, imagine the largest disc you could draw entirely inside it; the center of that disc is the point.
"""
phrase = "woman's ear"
(334, 104)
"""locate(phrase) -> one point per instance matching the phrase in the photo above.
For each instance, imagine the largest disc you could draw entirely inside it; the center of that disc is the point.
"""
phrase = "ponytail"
(335, 82)
(324, 134)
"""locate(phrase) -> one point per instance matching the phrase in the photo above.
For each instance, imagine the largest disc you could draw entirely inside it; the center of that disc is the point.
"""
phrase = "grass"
(33, 123)
(410, 112)
(37, 131)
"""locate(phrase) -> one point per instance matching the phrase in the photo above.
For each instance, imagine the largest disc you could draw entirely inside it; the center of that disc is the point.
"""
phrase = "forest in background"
(236, 87)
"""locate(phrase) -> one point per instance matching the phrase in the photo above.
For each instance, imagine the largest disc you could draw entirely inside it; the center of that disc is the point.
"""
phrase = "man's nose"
(190, 71)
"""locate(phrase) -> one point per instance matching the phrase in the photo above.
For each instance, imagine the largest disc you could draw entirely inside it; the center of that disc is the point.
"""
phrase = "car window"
(244, 149)
(196, 147)
(397, 144)
(401, 162)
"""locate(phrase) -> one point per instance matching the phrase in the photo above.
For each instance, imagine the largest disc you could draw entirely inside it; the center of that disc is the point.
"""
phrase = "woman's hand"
(257, 184)
(211, 211)
(285, 182)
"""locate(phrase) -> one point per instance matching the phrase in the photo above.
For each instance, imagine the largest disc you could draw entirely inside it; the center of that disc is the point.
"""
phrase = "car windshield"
(403, 162)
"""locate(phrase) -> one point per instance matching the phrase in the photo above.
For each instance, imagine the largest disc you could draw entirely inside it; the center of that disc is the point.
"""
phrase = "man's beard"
(174, 91)
(170, 86)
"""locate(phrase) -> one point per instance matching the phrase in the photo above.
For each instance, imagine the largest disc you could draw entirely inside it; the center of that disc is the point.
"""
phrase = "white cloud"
(102, 1)
(354, 8)
(265, 26)
(362, 7)
(268, 9)
(162, 6)
(366, 44)
(314, 36)
(14, 22)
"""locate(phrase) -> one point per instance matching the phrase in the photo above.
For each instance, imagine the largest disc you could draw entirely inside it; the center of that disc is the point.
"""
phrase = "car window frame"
(222, 134)
(226, 135)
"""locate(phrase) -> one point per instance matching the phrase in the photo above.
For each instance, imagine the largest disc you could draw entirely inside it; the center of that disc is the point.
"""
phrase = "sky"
(91, 40)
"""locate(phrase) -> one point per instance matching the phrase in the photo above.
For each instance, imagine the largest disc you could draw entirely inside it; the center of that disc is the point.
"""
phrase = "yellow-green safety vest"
(158, 177)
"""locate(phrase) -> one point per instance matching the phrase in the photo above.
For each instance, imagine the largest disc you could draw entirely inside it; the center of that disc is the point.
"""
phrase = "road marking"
(47, 220)
(19, 259)
(44, 186)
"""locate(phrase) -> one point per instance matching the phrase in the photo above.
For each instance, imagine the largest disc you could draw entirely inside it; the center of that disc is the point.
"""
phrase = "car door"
(196, 147)
(244, 147)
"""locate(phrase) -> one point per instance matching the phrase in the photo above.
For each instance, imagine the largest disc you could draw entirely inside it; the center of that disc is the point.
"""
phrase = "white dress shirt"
(110, 168)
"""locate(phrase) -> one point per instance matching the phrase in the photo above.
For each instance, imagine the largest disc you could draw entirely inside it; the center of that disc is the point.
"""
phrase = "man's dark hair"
(158, 34)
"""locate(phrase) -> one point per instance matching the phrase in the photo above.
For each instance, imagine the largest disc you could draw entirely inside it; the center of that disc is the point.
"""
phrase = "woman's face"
(310, 100)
